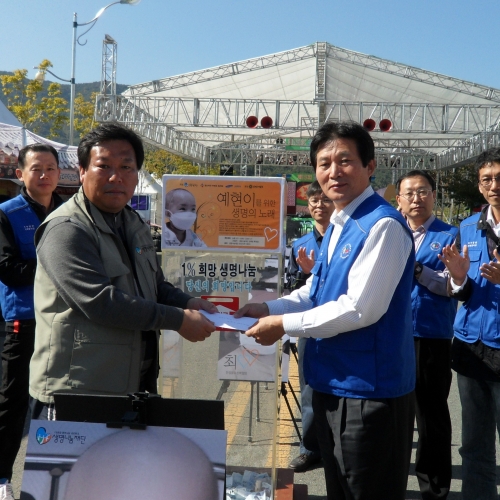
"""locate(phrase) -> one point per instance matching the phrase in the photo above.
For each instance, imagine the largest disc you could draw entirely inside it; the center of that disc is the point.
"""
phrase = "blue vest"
(377, 361)
(17, 302)
(479, 317)
(433, 314)
(309, 242)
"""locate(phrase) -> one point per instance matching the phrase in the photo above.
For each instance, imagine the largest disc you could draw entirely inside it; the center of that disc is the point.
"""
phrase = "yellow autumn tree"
(159, 162)
(84, 114)
(26, 100)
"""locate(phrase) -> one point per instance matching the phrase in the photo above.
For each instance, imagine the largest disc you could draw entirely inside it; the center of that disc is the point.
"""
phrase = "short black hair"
(313, 188)
(491, 155)
(109, 131)
(344, 130)
(416, 173)
(35, 148)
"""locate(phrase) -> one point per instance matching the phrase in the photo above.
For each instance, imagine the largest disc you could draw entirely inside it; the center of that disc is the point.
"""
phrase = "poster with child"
(180, 209)
(239, 214)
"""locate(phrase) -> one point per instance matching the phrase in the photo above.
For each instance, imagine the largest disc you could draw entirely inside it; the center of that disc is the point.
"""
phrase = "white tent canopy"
(13, 137)
(147, 184)
(349, 76)
(7, 117)
(198, 113)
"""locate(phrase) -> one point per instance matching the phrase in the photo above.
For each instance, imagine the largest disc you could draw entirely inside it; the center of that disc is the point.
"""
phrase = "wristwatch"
(418, 269)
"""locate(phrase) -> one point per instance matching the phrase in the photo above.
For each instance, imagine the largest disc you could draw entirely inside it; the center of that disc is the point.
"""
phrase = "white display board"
(78, 460)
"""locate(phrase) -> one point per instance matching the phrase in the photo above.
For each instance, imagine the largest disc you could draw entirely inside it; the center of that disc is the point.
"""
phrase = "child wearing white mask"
(180, 208)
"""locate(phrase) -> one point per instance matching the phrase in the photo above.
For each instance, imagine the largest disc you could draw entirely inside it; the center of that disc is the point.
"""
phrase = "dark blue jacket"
(377, 361)
(433, 314)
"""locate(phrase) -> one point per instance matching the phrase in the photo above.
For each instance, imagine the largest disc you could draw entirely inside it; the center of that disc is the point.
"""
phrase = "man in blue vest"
(433, 315)
(475, 280)
(38, 169)
(302, 259)
(356, 313)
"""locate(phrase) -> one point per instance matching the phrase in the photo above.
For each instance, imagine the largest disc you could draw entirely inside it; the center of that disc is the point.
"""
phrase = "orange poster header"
(223, 213)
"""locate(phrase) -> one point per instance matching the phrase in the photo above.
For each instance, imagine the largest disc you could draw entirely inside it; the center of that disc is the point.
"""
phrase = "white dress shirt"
(372, 281)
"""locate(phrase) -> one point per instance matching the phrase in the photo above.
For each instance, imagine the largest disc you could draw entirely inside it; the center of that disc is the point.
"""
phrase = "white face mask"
(182, 220)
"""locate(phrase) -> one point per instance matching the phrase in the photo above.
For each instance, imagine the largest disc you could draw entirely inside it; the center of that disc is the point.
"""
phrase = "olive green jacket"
(74, 352)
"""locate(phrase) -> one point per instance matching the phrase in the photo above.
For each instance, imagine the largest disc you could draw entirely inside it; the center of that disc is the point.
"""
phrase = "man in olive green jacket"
(100, 295)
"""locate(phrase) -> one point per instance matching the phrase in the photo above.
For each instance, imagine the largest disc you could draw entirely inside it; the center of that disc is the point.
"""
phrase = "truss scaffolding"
(302, 116)
(214, 116)
(108, 73)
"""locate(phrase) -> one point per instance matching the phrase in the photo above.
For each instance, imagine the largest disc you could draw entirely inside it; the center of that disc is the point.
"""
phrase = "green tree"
(159, 162)
(84, 114)
(461, 185)
(32, 106)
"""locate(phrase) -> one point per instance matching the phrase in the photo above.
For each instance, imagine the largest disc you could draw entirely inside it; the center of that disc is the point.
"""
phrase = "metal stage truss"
(301, 116)
(448, 128)
(462, 120)
(278, 156)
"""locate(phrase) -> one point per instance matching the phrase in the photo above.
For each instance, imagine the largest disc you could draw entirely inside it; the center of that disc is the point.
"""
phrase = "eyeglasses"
(317, 203)
(419, 193)
(488, 181)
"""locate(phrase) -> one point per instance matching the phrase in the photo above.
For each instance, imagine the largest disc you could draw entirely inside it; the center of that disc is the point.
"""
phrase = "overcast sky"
(160, 38)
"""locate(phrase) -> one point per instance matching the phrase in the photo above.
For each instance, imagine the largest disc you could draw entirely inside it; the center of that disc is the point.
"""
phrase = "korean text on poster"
(237, 214)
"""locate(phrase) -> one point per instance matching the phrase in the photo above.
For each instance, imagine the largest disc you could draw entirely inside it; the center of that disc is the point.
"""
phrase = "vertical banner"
(232, 234)
(223, 240)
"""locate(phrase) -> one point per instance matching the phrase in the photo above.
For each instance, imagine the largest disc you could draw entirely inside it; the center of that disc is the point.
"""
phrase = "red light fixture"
(266, 122)
(369, 124)
(252, 121)
(385, 125)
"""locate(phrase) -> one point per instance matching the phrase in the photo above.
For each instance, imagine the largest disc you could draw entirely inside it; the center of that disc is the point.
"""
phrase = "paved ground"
(315, 478)
(288, 442)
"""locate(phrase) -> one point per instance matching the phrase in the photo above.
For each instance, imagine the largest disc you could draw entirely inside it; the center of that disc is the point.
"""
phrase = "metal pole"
(72, 97)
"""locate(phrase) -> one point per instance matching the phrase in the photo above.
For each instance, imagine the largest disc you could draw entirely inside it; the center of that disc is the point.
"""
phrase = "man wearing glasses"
(302, 258)
(433, 315)
(475, 279)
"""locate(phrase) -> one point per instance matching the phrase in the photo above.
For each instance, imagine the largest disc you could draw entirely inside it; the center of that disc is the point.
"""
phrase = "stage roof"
(300, 89)
(350, 76)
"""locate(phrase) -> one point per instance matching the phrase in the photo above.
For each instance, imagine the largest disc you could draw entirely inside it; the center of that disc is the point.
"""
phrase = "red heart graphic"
(250, 355)
(270, 233)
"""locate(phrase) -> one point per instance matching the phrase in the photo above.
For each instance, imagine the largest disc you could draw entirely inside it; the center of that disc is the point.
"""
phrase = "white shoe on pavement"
(6, 492)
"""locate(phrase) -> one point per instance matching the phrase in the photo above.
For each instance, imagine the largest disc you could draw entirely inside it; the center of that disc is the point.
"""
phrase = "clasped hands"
(458, 265)
(306, 262)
